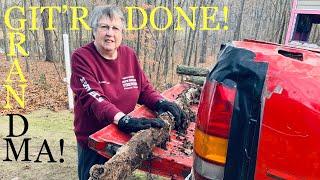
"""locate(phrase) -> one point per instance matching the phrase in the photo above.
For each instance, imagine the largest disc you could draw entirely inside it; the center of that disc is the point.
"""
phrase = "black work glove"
(179, 116)
(130, 124)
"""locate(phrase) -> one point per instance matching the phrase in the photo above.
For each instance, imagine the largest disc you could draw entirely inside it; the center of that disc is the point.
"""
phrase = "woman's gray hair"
(107, 11)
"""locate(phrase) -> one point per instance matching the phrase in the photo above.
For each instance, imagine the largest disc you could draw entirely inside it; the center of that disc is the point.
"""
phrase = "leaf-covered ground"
(45, 87)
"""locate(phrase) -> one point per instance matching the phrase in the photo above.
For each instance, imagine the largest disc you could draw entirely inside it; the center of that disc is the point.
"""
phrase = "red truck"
(259, 112)
(258, 117)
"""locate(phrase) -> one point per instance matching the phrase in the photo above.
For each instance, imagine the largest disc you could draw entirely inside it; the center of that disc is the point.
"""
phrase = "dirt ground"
(52, 126)
(43, 124)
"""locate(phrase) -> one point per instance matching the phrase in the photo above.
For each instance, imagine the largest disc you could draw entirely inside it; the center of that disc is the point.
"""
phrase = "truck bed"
(174, 162)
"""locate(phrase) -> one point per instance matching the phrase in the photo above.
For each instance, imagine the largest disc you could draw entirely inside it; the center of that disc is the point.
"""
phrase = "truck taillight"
(215, 109)
(212, 130)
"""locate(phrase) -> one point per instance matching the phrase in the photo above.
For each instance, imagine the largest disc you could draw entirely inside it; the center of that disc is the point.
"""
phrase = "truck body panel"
(290, 123)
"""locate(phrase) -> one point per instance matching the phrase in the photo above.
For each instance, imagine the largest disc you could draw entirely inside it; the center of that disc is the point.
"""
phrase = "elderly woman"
(108, 83)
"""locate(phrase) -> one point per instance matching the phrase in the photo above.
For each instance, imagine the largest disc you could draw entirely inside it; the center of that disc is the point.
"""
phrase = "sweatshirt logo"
(93, 93)
(129, 82)
(104, 82)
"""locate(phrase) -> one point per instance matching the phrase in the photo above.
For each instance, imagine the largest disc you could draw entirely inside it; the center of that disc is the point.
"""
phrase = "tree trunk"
(258, 22)
(238, 27)
(196, 80)
(196, 49)
(145, 50)
(4, 30)
(26, 44)
(36, 39)
(157, 37)
(170, 37)
(138, 33)
(193, 71)
(47, 34)
(62, 30)
(194, 33)
(204, 43)
(203, 51)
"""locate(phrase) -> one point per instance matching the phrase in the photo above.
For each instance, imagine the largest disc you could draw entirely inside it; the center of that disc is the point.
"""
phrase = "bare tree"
(4, 30)
(47, 34)
(238, 26)
(26, 44)
(138, 42)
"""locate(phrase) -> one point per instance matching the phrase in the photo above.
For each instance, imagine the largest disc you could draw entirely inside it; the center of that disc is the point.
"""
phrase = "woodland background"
(159, 51)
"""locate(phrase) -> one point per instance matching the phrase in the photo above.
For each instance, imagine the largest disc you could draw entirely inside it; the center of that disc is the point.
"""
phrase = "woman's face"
(108, 36)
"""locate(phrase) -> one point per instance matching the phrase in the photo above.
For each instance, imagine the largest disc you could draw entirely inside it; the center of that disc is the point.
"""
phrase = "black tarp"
(236, 67)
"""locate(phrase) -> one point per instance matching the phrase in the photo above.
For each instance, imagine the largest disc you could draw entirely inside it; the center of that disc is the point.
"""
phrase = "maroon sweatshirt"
(104, 87)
